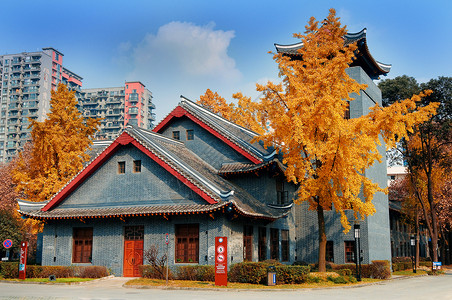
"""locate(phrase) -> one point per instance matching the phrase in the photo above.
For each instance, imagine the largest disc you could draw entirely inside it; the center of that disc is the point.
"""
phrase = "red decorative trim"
(179, 112)
(122, 140)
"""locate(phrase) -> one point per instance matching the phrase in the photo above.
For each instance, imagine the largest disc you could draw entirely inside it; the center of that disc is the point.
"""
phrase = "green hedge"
(377, 269)
(401, 266)
(256, 273)
(10, 270)
(198, 273)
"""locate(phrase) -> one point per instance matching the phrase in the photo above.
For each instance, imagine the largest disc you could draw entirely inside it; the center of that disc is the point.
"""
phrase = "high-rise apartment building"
(26, 80)
(118, 106)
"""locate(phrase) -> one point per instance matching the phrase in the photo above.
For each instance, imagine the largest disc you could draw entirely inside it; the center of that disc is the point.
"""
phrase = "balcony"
(114, 101)
(89, 103)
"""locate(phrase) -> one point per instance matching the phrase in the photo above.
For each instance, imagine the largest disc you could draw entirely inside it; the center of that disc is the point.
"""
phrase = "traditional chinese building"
(197, 177)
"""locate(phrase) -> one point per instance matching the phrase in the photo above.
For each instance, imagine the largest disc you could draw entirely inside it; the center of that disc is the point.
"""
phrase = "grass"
(46, 280)
(409, 273)
(232, 285)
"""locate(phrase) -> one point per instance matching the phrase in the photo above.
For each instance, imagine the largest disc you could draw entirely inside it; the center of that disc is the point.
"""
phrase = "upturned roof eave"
(379, 67)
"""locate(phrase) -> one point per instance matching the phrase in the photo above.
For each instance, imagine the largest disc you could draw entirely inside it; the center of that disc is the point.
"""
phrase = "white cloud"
(181, 48)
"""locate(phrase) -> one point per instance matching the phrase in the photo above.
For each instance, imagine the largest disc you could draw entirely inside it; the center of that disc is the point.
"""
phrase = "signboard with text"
(221, 261)
(436, 265)
(23, 260)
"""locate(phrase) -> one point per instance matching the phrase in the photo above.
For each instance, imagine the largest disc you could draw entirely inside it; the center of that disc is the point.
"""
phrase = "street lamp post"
(413, 252)
(357, 251)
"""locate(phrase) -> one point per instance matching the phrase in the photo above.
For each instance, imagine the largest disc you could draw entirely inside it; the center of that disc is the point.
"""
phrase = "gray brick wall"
(214, 151)
(108, 238)
(153, 186)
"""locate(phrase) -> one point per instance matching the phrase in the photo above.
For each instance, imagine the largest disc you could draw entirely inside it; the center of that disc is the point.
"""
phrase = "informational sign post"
(23, 260)
(436, 265)
(221, 261)
(7, 244)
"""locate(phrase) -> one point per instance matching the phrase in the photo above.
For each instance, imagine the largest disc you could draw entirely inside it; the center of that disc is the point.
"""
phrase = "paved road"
(426, 287)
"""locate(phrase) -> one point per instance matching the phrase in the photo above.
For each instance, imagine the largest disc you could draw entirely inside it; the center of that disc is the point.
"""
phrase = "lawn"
(233, 285)
(409, 273)
(46, 280)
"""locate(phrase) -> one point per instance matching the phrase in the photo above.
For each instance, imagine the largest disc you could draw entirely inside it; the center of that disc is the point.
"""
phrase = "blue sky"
(184, 47)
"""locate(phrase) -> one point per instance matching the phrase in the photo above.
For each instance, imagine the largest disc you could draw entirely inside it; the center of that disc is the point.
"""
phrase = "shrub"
(400, 266)
(148, 271)
(380, 269)
(9, 269)
(315, 267)
(248, 272)
(351, 268)
(337, 280)
(156, 261)
(292, 274)
(344, 272)
(313, 279)
(93, 272)
(199, 273)
(58, 271)
(256, 272)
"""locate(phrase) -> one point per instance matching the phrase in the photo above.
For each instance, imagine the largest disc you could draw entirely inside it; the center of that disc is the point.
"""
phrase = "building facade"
(196, 177)
(27, 79)
(118, 106)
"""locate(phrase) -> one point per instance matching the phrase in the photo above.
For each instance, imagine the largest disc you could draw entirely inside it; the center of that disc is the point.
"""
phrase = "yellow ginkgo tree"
(325, 152)
(304, 117)
(59, 148)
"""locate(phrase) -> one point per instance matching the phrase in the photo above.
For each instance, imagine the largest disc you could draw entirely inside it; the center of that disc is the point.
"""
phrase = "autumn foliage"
(59, 148)
(245, 113)
(326, 153)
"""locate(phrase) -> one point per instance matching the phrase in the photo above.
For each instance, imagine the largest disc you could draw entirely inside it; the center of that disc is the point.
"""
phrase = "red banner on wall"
(23, 260)
(221, 261)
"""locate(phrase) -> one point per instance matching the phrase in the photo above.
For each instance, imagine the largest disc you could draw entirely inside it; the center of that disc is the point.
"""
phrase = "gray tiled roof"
(202, 175)
(237, 134)
(241, 168)
(122, 211)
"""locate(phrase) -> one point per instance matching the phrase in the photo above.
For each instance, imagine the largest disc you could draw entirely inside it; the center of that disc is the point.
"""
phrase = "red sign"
(7, 243)
(221, 261)
(23, 260)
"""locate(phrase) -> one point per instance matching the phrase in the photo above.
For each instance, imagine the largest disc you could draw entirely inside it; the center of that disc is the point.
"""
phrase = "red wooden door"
(133, 250)
(133, 258)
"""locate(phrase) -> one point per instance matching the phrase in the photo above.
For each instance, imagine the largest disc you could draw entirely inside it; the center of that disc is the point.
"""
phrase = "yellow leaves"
(243, 114)
(59, 148)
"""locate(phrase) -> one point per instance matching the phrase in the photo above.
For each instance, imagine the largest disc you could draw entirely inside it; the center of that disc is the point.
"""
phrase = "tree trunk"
(322, 239)
(433, 216)
(416, 257)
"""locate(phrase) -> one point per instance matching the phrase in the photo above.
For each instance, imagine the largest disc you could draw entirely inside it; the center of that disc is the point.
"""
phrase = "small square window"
(190, 134)
(176, 135)
(121, 167)
(137, 166)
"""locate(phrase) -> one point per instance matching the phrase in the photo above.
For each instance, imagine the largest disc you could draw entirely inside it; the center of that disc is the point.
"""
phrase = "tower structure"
(375, 233)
